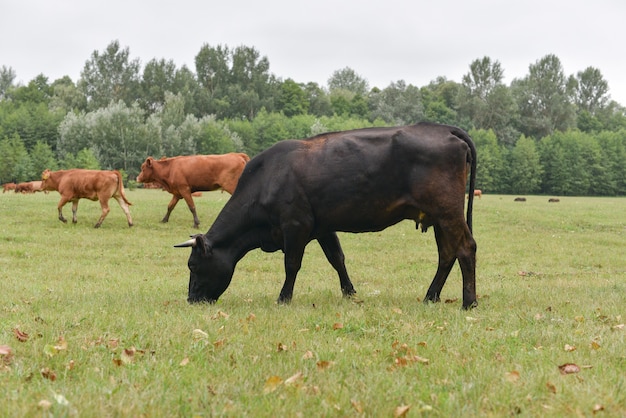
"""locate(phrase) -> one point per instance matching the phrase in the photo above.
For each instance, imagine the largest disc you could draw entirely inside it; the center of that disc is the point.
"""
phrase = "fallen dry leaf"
(272, 383)
(337, 325)
(569, 347)
(282, 347)
(357, 406)
(70, 365)
(512, 376)
(48, 374)
(199, 335)
(20, 335)
(618, 326)
(220, 314)
(44, 404)
(569, 368)
(453, 300)
(401, 411)
(324, 364)
(184, 362)
(61, 345)
(551, 387)
(294, 379)
(598, 408)
(308, 354)
(6, 353)
(595, 345)
(219, 343)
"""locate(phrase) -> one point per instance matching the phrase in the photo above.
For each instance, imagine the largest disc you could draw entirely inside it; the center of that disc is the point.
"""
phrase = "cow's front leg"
(62, 203)
(294, 251)
(192, 208)
(170, 208)
(334, 254)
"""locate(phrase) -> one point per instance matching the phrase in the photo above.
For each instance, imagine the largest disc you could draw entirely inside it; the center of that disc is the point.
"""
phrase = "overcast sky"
(383, 41)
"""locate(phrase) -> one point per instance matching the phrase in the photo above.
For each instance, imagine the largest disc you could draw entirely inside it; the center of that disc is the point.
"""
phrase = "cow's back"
(206, 172)
(88, 183)
(361, 180)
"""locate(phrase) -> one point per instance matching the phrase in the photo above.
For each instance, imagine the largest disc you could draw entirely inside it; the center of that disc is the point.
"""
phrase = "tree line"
(547, 132)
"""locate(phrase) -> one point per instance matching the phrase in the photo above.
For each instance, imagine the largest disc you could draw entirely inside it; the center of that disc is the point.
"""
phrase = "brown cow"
(8, 187)
(28, 187)
(77, 184)
(184, 175)
(478, 193)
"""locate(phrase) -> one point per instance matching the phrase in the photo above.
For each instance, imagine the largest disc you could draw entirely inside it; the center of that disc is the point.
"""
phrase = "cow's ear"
(203, 244)
(149, 161)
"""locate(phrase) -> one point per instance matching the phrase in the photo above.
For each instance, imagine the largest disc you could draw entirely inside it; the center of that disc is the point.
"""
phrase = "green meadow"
(95, 323)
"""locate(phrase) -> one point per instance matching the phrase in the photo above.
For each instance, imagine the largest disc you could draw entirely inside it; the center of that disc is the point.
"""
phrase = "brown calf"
(77, 184)
(8, 187)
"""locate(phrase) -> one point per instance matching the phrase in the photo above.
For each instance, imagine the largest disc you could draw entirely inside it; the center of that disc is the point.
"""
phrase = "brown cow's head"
(44, 178)
(146, 171)
(211, 270)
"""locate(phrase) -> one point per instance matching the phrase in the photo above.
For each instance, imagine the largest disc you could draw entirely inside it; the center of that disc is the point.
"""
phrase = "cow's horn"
(188, 243)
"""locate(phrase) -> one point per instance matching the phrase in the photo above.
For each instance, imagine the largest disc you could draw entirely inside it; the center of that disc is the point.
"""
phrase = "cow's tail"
(471, 160)
(120, 187)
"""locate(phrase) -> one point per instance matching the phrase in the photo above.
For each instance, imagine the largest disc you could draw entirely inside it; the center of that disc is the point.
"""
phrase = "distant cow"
(6, 187)
(478, 193)
(520, 199)
(184, 175)
(362, 180)
(554, 200)
(28, 187)
(77, 184)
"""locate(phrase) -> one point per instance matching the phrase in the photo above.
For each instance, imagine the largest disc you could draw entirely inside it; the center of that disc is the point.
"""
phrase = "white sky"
(411, 40)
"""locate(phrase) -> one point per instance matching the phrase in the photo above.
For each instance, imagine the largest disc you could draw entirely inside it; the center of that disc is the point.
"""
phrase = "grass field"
(95, 323)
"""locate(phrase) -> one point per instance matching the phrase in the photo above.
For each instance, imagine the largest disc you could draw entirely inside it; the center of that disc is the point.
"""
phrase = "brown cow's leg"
(74, 210)
(170, 208)
(332, 249)
(62, 203)
(125, 208)
(192, 207)
(104, 204)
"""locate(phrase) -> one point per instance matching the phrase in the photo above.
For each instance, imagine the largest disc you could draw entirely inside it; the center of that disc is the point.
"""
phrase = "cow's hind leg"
(62, 203)
(125, 208)
(192, 208)
(74, 211)
(104, 204)
(332, 249)
(452, 243)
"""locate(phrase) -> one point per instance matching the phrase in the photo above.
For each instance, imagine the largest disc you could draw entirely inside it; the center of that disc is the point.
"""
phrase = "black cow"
(354, 181)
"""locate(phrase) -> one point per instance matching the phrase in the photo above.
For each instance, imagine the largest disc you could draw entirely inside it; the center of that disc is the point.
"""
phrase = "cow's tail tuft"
(120, 187)
(471, 160)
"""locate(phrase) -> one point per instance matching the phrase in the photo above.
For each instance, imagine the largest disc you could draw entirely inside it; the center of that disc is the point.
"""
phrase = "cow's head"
(146, 171)
(210, 270)
(44, 178)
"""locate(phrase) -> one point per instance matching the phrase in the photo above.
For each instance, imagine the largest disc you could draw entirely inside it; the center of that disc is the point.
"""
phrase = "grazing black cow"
(355, 181)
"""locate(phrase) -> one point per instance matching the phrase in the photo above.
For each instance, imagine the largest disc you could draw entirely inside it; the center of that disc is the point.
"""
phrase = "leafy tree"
(159, 78)
(486, 101)
(110, 77)
(525, 167)
(66, 96)
(15, 164)
(543, 99)
(490, 172)
(7, 78)
(397, 104)
(292, 99)
(84, 158)
(348, 79)
(439, 99)
(42, 157)
(591, 90)
(318, 100)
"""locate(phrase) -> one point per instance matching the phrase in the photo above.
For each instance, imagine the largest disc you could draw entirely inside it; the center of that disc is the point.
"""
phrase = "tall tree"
(7, 77)
(486, 101)
(525, 167)
(159, 77)
(348, 79)
(591, 90)
(110, 76)
(398, 104)
(543, 99)
(292, 99)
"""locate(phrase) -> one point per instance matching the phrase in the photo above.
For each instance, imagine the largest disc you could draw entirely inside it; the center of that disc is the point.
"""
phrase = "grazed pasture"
(97, 324)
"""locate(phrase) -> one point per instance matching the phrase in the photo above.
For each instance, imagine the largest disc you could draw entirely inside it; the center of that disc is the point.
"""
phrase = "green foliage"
(15, 163)
(524, 167)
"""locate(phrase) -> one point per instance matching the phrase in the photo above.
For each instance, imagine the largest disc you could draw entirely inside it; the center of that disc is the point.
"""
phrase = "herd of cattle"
(298, 191)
